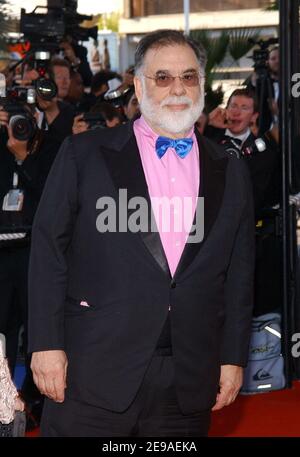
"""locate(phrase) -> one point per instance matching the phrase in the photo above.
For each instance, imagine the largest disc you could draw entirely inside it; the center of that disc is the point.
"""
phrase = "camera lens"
(46, 88)
(22, 127)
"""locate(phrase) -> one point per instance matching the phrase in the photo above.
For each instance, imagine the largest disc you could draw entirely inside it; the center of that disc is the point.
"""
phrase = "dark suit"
(125, 278)
(264, 92)
(265, 172)
(264, 169)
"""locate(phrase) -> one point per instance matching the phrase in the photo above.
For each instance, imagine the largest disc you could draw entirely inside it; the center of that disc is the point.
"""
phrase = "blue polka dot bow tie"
(182, 146)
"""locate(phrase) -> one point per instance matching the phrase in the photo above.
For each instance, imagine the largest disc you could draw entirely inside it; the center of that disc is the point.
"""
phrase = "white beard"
(174, 122)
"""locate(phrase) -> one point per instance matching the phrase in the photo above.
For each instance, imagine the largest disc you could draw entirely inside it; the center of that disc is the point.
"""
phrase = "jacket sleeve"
(51, 235)
(264, 170)
(35, 168)
(240, 281)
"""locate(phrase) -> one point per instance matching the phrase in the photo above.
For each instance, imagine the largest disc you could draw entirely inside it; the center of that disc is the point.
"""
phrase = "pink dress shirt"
(167, 178)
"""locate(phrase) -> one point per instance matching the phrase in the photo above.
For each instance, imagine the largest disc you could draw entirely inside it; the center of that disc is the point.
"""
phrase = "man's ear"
(226, 114)
(254, 118)
(138, 88)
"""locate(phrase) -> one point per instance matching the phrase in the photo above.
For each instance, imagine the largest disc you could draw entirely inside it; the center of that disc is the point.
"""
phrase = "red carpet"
(261, 415)
(270, 414)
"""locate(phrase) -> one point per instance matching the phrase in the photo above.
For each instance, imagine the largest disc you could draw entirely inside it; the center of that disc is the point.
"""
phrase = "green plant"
(109, 22)
(234, 43)
(274, 6)
(239, 44)
(4, 23)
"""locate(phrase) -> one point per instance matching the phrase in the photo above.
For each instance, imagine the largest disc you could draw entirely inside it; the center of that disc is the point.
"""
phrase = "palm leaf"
(274, 6)
(213, 98)
(216, 48)
(4, 22)
(239, 44)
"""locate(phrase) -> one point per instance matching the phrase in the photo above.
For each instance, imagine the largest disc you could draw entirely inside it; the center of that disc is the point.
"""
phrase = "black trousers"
(14, 310)
(13, 296)
(153, 413)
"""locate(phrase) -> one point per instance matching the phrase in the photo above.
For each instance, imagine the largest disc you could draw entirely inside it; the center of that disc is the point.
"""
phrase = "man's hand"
(4, 118)
(217, 118)
(19, 404)
(274, 108)
(18, 148)
(49, 373)
(231, 380)
(69, 52)
(29, 76)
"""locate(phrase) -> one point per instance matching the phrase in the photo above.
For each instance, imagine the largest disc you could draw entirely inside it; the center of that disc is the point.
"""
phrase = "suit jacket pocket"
(74, 306)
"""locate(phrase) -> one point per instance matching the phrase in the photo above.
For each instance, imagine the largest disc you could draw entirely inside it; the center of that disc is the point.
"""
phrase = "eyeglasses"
(243, 108)
(189, 79)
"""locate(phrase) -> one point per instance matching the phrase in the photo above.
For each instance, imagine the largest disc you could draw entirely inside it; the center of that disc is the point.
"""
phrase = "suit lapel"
(249, 141)
(126, 170)
(212, 184)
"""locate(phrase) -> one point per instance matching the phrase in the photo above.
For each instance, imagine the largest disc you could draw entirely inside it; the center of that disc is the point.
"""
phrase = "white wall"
(29, 5)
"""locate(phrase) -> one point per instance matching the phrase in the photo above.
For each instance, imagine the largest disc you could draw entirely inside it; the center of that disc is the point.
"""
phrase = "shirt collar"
(148, 132)
(243, 137)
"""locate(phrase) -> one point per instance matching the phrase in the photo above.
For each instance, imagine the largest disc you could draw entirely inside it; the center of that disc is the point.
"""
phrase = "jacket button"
(173, 285)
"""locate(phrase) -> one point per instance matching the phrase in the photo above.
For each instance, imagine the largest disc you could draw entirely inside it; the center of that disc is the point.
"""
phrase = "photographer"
(131, 105)
(77, 97)
(77, 57)
(264, 82)
(108, 116)
(60, 72)
(55, 115)
(99, 85)
(24, 166)
(231, 127)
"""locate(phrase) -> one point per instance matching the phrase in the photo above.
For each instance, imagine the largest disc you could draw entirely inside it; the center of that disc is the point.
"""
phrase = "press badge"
(13, 200)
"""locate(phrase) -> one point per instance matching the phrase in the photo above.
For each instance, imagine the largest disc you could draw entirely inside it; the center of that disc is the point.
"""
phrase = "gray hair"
(162, 38)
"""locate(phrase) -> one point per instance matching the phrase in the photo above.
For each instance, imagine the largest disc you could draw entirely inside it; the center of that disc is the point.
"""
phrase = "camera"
(17, 103)
(260, 56)
(231, 146)
(46, 88)
(116, 96)
(60, 19)
(94, 120)
(21, 120)
(259, 145)
(234, 147)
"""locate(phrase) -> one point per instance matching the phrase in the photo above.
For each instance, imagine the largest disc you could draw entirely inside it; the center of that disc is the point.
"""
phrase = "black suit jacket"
(125, 278)
(264, 169)
(32, 174)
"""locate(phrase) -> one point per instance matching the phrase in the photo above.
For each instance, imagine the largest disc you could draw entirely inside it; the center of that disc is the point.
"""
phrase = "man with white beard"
(142, 329)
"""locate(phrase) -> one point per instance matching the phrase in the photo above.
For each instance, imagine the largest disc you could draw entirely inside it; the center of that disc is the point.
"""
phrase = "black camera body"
(17, 104)
(117, 96)
(235, 148)
(231, 146)
(56, 23)
(45, 87)
(94, 120)
(260, 56)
